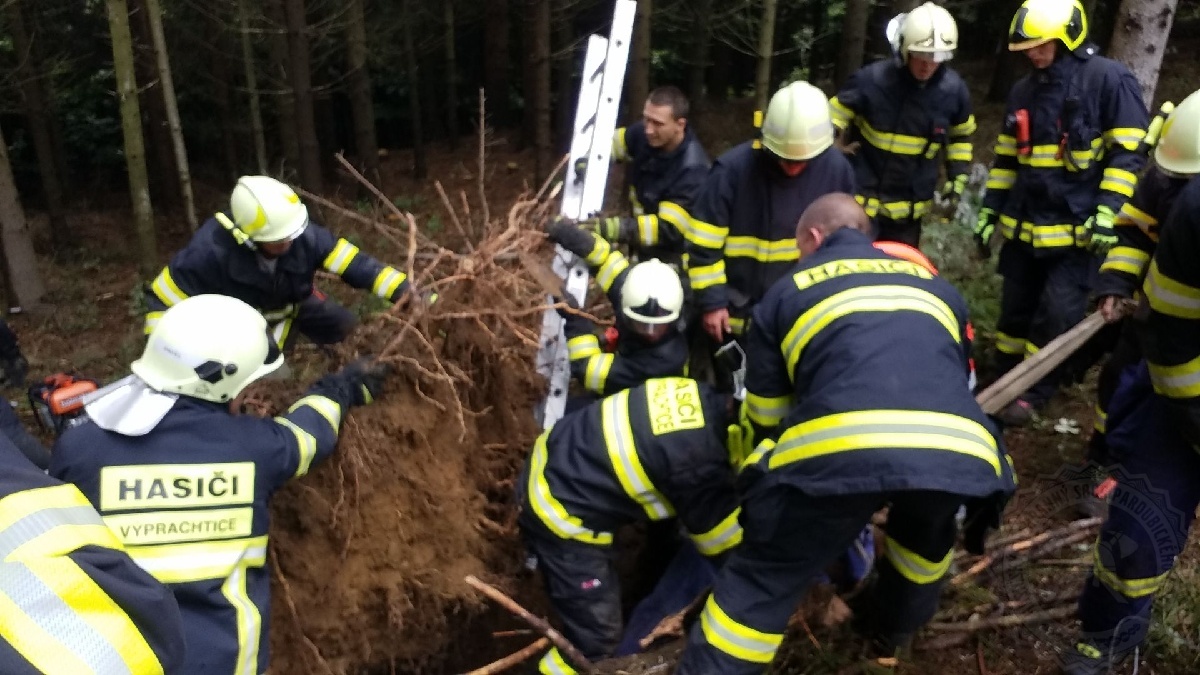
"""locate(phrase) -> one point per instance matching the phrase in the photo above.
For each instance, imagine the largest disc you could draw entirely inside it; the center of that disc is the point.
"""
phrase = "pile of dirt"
(370, 550)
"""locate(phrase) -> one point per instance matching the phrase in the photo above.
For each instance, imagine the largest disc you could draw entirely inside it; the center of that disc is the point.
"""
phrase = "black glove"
(569, 300)
(366, 379)
(14, 371)
(983, 514)
(569, 235)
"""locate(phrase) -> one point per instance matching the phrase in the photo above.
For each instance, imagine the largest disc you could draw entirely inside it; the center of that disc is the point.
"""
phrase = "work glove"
(985, 227)
(569, 300)
(566, 233)
(609, 229)
(1097, 234)
(13, 371)
(366, 379)
(983, 515)
(954, 187)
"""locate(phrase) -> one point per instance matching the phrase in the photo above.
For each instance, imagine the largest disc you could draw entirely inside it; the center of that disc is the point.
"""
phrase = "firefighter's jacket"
(73, 600)
(189, 501)
(636, 359)
(1171, 334)
(647, 453)
(1086, 122)
(857, 380)
(662, 187)
(214, 262)
(903, 128)
(742, 233)
(1137, 227)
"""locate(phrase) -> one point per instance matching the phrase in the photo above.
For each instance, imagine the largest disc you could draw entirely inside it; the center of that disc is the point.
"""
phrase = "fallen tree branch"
(577, 659)
(1023, 545)
(1006, 621)
(513, 659)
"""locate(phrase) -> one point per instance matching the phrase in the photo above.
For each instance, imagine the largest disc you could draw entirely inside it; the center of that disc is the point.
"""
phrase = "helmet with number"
(267, 209)
(929, 30)
(208, 347)
(1040, 21)
(797, 125)
(1178, 149)
(652, 294)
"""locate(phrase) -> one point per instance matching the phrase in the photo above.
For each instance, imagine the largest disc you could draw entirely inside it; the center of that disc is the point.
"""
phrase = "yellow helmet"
(267, 209)
(928, 29)
(1040, 21)
(797, 126)
(1178, 149)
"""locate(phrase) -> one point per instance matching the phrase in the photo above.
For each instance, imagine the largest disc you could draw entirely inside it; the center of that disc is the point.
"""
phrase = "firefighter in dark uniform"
(1154, 433)
(857, 392)
(905, 113)
(73, 601)
(265, 252)
(646, 299)
(652, 452)
(740, 235)
(185, 484)
(1066, 160)
(665, 167)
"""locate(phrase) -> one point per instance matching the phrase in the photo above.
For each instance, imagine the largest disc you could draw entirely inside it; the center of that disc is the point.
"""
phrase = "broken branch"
(538, 624)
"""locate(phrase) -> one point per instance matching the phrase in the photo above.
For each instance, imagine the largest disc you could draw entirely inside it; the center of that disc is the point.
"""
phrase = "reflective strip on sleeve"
(900, 144)
(966, 128)
(675, 215)
(627, 465)
(50, 521)
(1001, 179)
(914, 567)
(1054, 235)
(613, 265)
(738, 325)
(1127, 137)
(737, 640)
(166, 289)
(1008, 344)
(724, 536)
(340, 257)
(1127, 260)
(327, 407)
(1006, 146)
(707, 275)
(306, 445)
(762, 250)
(595, 375)
(706, 235)
(199, 561)
(548, 509)
(387, 282)
(553, 663)
(1119, 181)
(152, 319)
(767, 411)
(647, 226)
(1180, 381)
(1171, 297)
(1130, 588)
(958, 152)
(1031, 349)
(1130, 214)
(583, 347)
(840, 114)
(620, 149)
(1101, 423)
(600, 251)
(883, 429)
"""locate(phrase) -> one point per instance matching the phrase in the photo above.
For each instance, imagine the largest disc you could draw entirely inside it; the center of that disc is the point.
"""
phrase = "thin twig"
(1006, 621)
(513, 659)
(458, 226)
(1025, 544)
(568, 649)
(482, 173)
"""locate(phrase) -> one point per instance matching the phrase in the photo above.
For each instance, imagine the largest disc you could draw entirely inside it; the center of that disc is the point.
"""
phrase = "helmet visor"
(651, 332)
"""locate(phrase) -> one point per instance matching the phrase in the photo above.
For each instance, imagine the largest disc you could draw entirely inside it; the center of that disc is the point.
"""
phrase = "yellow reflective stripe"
(1006, 145)
(762, 250)
(613, 265)
(1118, 180)
(884, 298)
(340, 257)
(634, 203)
(1180, 381)
(620, 149)
(913, 566)
(1042, 156)
(1101, 423)
(548, 509)
(166, 289)
(1039, 236)
(1031, 349)
(1126, 259)
(1171, 297)
(722, 537)
(200, 561)
(900, 144)
(152, 321)
(599, 252)
(330, 409)
(1127, 137)
(627, 465)
(966, 128)
(705, 234)
(759, 452)
(1130, 588)
(958, 152)
(737, 640)
(1009, 344)
(708, 275)
(306, 445)
(1001, 179)
(839, 113)
(647, 229)
(248, 619)
(582, 347)
(880, 429)
(595, 375)
(894, 210)
(554, 664)
(767, 411)
(1130, 214)
(737, 325)
(675, 215)
(387, 281)
(50, 521)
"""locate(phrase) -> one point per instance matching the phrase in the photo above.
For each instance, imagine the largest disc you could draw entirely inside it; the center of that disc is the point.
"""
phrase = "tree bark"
(281, 69)
(638, 85)
(23, 276)
(420, 166)
(250, 72)
(154, 16)
(362, 105)
(496, 58)
(766, 49)
(131, 127)
(29, 76)
(539, 98)
(164, 191)
(699, 53)
(854, 39)
(451, 74)
(1138, 39)
(223, 98)
(301, 78)
(566, 90)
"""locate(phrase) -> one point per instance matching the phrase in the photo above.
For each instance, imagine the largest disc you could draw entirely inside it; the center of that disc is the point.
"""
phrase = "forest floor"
(405, 569)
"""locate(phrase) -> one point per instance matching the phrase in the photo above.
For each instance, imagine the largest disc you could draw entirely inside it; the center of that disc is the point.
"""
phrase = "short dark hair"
(672, 96)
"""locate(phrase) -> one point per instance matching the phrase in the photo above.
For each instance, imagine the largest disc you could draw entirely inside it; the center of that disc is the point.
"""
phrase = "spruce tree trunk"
(154, 11)
(20, 262)
(131, 127)
(497, 55)
(223, 98)
(164, 189)
(854, 39)
(301, 78)
(766, 49)
(29, 77)
(1139, 39)
(250, 72)
(420, 166)
(638, 84)
(362, 105)
(699, 53)
(281, 79)
(542, 128)
(566, 90)
(451, 74)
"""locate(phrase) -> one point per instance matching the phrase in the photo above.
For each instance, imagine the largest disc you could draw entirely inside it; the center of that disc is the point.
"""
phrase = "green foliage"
(1174, 640)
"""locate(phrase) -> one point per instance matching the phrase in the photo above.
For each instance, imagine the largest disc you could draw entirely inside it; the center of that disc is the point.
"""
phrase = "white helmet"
(267, 209)
(208, 347)
(652, 293)
(1178, 149)
(797, 125)
(928, 29)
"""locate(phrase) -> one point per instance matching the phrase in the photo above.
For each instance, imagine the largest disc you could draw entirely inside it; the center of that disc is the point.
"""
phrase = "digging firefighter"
(652, 452)
(646, 299)
(906, 113)
(740, 237)
(1153, 434)
(14, 368)
(74, 602)
(665, 166)
(857, 394)
(265, 252)
(184, 483)
(1066, 161)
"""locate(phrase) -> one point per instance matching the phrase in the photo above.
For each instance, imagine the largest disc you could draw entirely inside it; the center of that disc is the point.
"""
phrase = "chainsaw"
(57, 400)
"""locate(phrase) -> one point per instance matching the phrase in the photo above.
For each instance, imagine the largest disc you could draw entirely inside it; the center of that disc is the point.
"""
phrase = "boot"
(1088, 659)
(1019, 413)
